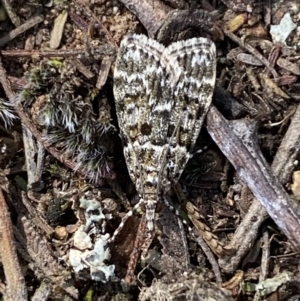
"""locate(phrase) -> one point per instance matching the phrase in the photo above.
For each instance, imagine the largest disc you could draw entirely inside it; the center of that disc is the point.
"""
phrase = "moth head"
(150, 205)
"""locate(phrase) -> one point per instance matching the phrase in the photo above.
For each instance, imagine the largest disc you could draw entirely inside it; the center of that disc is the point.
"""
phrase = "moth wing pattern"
(193, 95)
(162, 96)
(143, 89)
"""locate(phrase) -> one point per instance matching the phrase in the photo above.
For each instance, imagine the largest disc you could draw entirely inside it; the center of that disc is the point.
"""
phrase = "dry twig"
(249, 163)
(265, 262)
(11, 13)
(101, 50)
(96, 20)
(251, 50)
(15, 282)
(22, 28)
(282, 166)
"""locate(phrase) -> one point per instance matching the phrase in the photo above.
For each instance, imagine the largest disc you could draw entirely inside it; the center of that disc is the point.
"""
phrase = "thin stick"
(15, 282)
(22, 28)
(251, 50)
(135, 254)
(93, 18)
(102, 50)
(11, 13)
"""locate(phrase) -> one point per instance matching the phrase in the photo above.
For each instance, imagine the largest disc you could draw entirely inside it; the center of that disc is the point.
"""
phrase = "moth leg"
(124, 220)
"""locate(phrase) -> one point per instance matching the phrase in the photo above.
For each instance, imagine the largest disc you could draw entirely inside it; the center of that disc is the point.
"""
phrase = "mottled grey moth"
(162, 95)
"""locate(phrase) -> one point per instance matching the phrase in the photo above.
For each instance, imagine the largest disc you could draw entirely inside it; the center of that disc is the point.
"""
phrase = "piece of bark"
(245, 156)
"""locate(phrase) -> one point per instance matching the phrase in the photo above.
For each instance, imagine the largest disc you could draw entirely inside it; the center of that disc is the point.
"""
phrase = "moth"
(162, 95)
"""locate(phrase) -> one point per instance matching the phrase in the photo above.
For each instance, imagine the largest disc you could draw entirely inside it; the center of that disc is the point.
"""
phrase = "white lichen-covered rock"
(91, 257)
(82, 240)
(90, 250)
(93, 211)
(98, 269)
(75, 260)
(281, 31)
